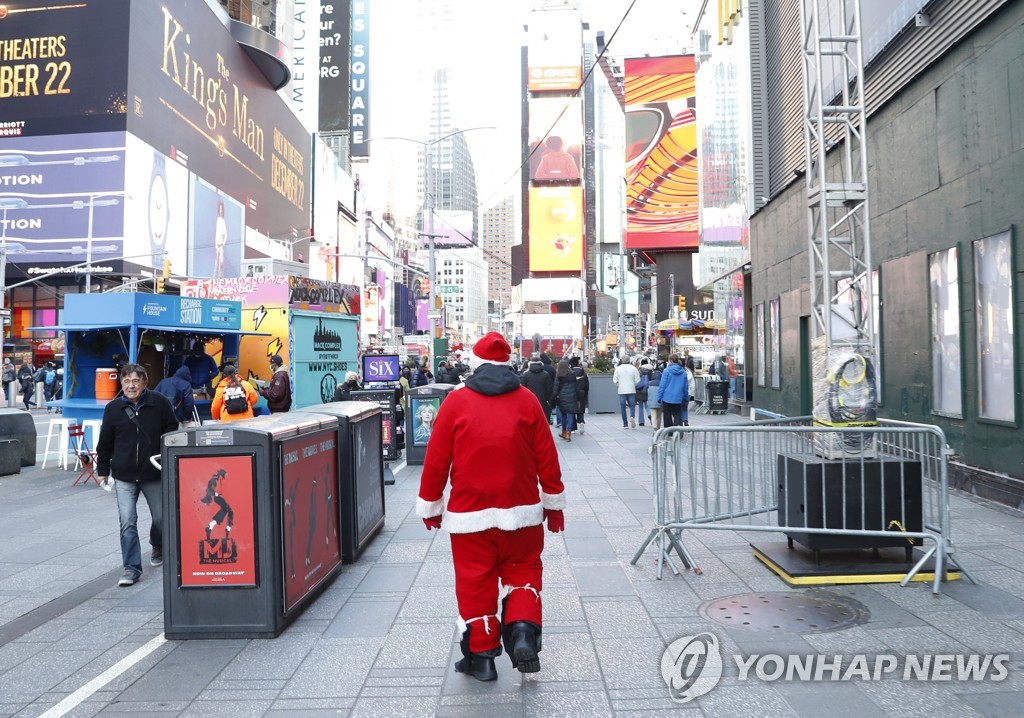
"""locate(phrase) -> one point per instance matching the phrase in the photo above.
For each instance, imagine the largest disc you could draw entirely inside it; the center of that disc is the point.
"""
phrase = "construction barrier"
(888, 488)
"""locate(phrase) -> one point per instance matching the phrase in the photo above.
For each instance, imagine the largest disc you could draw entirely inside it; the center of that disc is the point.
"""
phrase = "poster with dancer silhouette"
(309, 492)
(217, 521)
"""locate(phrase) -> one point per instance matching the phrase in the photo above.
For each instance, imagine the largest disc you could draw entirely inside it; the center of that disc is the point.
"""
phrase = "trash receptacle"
(361, 472)
(717, 397)
(251, 532)
(424, 401)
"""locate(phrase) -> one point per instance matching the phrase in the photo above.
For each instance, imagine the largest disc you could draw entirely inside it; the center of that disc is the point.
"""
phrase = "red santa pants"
(481, 559)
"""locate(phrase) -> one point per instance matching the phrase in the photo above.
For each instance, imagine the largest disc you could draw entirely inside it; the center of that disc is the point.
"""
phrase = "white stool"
(59, 430)
(91, 434)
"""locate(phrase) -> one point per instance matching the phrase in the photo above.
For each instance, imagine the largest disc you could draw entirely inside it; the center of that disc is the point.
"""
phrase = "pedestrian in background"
(279, 392)
(492, 441)
(584, 393)
(129, 435)
(626, 377)
(234, 398)
(567, 398)
(539, 383)
(345, 389)
(178, 390)
(10, 375)
(673, 392)
(25, 375)
(652, 395)
(642, 390)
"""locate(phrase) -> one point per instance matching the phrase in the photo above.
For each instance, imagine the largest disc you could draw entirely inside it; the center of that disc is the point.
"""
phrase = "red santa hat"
(491, 349)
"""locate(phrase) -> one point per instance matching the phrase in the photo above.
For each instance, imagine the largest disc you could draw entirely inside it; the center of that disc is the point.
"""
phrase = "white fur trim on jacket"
(429, 509)
(553, 502)
(511, 519)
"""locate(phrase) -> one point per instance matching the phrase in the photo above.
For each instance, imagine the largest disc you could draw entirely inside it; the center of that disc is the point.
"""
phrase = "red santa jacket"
(492, 439)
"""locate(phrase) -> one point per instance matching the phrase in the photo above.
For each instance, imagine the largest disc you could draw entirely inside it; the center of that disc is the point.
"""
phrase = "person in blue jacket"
(674, 393)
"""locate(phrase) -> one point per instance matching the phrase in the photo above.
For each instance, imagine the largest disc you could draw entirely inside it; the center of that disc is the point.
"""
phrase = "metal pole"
(431, 259)
(622, 298)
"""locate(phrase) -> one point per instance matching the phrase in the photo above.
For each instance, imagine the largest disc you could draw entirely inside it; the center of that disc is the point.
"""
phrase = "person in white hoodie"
(625, 378)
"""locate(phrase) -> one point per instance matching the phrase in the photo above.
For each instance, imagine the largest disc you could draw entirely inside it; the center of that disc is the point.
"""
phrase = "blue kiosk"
(155, 330)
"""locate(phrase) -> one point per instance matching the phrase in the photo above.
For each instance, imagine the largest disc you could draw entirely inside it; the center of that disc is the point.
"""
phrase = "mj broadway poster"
(217, 521)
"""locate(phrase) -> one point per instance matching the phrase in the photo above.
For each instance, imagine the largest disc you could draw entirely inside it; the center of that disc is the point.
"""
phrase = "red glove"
(555, 519)
(434, 522)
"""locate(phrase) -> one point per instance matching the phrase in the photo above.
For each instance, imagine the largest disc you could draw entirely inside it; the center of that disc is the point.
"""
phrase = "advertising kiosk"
(424, 402)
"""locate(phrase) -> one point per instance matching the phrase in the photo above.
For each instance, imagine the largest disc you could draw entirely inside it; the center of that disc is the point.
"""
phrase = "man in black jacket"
(539, 382)
(279, 392)
(130, 433)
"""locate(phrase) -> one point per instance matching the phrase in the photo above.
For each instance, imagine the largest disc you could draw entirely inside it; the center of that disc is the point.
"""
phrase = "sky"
(484, 48)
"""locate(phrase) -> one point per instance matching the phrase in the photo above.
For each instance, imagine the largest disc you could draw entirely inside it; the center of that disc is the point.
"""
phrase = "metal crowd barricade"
(755, 477)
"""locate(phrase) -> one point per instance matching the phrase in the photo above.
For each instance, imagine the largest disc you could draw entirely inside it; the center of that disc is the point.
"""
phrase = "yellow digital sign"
(556, 229)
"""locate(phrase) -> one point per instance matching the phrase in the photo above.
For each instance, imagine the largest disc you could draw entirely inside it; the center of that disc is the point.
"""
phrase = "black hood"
(493, 379)
(545, 359)
(536, 367)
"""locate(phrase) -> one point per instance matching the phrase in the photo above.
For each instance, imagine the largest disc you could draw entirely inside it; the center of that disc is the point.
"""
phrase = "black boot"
(522, 642)
(478, 665)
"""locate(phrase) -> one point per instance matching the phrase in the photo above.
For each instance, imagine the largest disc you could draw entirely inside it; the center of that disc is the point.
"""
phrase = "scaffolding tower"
(843, 338)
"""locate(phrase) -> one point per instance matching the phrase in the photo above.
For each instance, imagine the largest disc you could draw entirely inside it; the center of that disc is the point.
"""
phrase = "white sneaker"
(632, 423)
(108, 484)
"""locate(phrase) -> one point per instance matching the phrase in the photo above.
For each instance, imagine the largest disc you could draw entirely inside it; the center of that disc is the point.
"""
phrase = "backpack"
(234, 398)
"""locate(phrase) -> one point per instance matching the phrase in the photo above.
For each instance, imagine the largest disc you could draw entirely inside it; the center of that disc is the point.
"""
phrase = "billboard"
(661, 154)
(556, 138)
(197, 98)
(62, 198)
(63, 67)
(555, 50)
(556, 229)
(359, 73)
(451, 227)
(216, 232)
(322, 348)
(334, 57)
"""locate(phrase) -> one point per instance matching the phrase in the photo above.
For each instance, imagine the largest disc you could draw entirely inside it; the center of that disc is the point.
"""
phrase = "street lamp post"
(430, 193)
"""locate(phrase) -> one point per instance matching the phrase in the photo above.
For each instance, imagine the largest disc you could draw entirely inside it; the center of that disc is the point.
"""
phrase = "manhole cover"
(782, 612)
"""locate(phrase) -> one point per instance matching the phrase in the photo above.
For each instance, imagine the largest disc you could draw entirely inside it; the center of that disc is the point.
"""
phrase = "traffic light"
(167, 269)
(682, 305)
(160, 285)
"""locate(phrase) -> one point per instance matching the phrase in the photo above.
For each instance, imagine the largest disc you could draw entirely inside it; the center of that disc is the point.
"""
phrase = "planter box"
(604, 398)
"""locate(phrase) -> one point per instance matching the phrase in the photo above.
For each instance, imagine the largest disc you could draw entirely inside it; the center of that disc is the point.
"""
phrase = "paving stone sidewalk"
(381, 639)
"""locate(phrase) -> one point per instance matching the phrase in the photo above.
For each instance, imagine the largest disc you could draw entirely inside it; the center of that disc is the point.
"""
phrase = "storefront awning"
(668, 325)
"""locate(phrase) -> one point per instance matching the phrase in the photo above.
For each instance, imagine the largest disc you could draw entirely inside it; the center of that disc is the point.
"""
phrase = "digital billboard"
(62, 199)
(381, 367)
(359, 74)
(555, 50)
(556, 138)
(556, 229)
(63, 67)
(156, 214)
(451, 227)
(334, 57)
(661, 154)
(197, 98)
(217, 231)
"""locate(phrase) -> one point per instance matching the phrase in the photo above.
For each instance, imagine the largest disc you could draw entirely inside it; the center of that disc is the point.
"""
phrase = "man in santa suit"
(492, 439)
